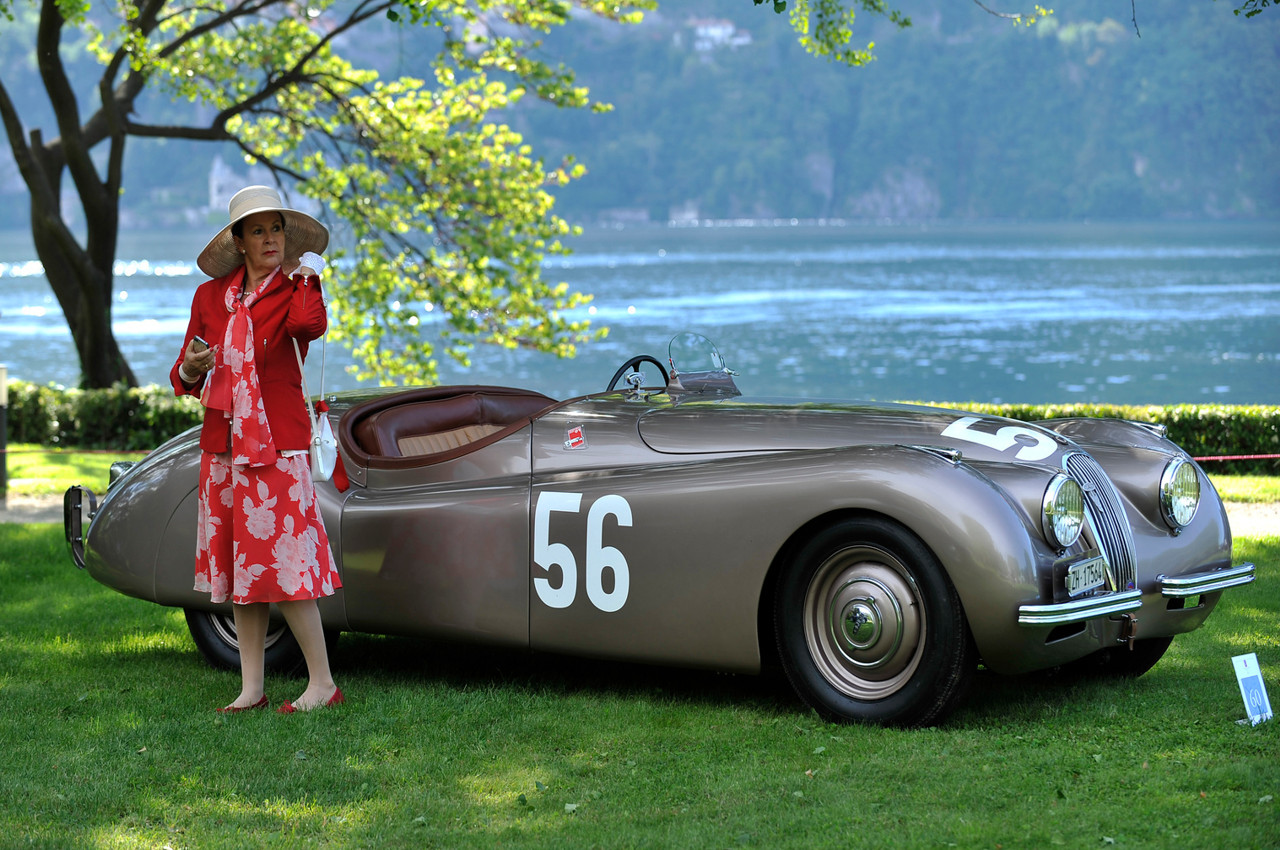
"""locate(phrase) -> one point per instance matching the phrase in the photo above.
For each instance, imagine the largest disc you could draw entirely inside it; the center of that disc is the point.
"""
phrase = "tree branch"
(255, 7)
(54, 74)
(13, 129)
(990, 11)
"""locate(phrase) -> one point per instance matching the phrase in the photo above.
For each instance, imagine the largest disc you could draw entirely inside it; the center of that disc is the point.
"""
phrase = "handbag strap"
(306, 394)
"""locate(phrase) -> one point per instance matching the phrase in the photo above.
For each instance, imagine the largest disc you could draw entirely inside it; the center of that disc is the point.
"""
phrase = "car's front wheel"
(869, 627)
(215, 636)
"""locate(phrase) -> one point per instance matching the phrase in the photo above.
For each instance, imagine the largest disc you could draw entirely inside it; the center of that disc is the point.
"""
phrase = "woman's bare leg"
(303, 617)
(251, 634)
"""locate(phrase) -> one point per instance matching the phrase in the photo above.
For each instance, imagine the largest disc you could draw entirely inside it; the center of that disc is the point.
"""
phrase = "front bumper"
(1210, 581)
(75, 519)
(1110, 604)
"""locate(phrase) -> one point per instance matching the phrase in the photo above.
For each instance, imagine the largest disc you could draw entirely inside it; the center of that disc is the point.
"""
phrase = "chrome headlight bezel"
(1179, 493)
(1062, 511)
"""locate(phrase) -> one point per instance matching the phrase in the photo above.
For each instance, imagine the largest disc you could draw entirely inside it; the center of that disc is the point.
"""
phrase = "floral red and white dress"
(260, 537)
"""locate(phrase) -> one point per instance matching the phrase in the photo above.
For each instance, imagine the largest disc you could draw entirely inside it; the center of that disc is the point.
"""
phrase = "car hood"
(746, 425)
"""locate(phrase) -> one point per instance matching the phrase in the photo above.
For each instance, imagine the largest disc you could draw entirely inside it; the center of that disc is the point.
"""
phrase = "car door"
(442, 549)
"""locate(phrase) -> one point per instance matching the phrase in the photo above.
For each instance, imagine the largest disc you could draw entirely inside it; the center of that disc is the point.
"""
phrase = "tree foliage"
(444, 211)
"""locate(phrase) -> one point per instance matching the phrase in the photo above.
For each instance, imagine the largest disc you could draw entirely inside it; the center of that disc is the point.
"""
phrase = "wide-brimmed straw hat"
(302, 233)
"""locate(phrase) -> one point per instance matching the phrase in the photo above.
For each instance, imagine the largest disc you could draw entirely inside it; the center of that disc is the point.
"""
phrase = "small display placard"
(1252, 688)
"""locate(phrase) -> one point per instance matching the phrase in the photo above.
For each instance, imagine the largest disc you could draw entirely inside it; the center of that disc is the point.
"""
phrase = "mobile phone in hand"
(198, 344)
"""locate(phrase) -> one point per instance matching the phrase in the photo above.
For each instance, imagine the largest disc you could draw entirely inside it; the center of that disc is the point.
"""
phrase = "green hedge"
(141, 419)
(136, 419)
(1203, 430)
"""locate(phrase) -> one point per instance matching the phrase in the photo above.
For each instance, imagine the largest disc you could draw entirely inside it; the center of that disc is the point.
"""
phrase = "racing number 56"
(555, 555)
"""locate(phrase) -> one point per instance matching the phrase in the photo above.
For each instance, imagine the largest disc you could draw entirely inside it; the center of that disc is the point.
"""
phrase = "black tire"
(1121, 661)
(869, 627)
(215, 636)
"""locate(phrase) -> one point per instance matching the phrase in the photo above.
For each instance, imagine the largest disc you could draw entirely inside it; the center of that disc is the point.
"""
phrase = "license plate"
(1086, 575)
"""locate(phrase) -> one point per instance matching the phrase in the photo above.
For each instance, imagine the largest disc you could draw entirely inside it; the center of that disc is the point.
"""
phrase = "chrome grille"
(1106, 517)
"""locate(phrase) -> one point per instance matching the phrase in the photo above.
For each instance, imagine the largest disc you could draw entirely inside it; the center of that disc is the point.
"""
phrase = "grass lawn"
(108, 740)
(1247, 488)
(37, 471)
(34, 470)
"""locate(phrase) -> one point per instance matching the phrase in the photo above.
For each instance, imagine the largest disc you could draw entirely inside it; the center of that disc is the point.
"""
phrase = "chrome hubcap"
(864, 622)
(225, 626)
(861, 622)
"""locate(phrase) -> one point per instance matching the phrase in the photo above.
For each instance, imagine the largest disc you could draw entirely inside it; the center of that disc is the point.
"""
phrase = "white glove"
(315, 262)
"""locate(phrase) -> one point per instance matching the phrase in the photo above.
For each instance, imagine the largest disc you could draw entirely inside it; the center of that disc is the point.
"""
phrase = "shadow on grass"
(425, 661)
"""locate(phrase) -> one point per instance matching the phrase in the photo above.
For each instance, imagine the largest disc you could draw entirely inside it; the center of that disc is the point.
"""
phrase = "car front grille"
(1107, 518)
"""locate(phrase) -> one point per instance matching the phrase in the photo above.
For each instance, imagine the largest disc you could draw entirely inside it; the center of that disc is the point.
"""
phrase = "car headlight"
(1063, 511)
(118, 469)
(1179, 493)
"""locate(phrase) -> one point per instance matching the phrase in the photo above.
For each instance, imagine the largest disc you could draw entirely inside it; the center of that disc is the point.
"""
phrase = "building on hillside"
(224, 182)
(711, 34)
(683, 213)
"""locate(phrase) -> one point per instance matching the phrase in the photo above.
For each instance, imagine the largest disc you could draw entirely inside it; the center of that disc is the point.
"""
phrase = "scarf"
(233, 385)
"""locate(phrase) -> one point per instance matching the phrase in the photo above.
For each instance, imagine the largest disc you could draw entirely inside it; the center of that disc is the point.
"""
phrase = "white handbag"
(324, 445)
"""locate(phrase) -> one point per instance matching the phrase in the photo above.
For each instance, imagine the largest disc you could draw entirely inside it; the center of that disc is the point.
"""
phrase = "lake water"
(1125, 313)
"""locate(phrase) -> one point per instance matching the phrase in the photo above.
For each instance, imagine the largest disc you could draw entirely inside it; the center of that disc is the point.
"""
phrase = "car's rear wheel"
(869, 627)
(215, 636)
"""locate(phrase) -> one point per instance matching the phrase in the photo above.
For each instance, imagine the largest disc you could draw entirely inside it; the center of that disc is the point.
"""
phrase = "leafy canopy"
(442, 213)
(446, 214)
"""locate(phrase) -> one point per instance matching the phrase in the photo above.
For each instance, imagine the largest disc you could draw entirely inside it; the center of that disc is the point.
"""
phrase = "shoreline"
(1248, 519)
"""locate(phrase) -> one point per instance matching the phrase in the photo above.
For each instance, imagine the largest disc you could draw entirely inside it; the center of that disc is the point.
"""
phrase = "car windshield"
(697, 367)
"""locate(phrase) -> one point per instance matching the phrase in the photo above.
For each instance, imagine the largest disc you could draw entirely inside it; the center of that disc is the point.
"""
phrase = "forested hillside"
(962, 116)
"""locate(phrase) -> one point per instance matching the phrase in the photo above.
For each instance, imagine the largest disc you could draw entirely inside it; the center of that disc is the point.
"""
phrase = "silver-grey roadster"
(879, 552)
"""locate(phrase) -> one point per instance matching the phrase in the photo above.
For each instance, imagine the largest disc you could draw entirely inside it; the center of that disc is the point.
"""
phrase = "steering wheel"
(632, 364)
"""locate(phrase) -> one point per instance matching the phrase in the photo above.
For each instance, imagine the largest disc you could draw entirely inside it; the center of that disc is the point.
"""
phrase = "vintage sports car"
(879, 552)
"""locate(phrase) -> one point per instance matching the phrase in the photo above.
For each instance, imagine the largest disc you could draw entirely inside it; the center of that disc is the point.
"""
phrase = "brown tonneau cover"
(435, 424)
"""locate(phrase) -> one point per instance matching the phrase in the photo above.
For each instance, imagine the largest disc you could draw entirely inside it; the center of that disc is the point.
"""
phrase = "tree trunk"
(84, 293)
(79, 275)
(82, 281)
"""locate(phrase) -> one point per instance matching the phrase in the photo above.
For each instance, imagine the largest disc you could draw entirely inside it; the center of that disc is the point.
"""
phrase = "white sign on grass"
(1249, 674)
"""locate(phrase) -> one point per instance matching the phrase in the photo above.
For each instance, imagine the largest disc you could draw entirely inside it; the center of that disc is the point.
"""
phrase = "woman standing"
(260, 539)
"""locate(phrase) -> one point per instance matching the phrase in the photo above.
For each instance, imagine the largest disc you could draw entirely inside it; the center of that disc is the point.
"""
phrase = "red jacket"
(291, 308)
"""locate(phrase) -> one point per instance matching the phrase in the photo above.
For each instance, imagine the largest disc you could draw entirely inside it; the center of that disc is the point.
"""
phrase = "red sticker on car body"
(575, 438)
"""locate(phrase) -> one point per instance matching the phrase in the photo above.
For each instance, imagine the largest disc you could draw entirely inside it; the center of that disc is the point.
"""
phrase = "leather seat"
(445, 425)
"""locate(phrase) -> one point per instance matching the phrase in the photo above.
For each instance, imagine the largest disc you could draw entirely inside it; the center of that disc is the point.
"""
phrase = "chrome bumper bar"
(1207, 582)
(1077, 610)
(74, 517)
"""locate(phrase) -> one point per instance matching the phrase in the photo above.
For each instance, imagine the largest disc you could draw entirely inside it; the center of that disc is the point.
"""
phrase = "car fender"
(992, 552)
(142, 539)
(124, 539)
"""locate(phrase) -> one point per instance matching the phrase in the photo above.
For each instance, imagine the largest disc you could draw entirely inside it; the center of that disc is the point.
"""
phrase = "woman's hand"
(196, 361)
(310, 264)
